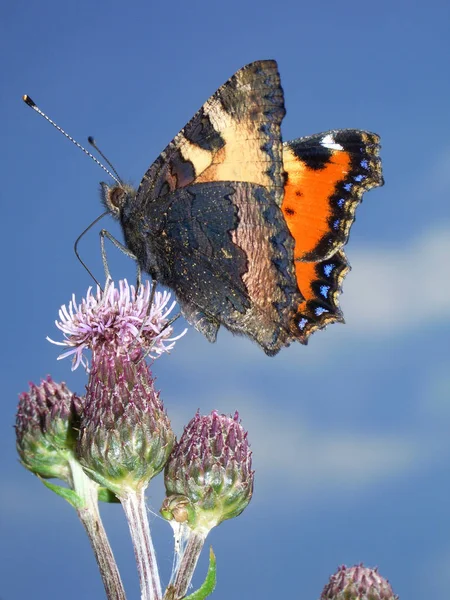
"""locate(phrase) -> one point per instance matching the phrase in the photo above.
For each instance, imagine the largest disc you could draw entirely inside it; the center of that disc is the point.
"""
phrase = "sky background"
(350, 434)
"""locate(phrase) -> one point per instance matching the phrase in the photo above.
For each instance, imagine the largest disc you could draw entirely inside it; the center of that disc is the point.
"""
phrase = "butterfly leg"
(105, 234)
(168, 324)
(149, 307)
(152, 296)
(138, 276)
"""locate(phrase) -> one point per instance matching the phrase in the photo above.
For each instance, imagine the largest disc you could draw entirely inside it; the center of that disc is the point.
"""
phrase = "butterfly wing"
(327, 175)
(202, 240)
(206, 220)
(235, 136)
(247, 231)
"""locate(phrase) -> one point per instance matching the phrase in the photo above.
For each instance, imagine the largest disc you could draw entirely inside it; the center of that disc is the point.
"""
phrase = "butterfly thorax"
(142, 227)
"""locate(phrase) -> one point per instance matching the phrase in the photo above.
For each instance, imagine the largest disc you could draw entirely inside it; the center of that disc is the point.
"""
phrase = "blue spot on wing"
(336, 224)
(302, 323)
(348, 186)
(341, 202)
(328, 269)
(359, 177)
(320, 310)
(364, 164)
(324, 289)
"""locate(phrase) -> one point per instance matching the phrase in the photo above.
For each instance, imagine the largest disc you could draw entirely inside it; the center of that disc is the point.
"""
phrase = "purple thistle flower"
(118, 317)
(208, 476)
(125, 435)
(46, 422)
(357, 583)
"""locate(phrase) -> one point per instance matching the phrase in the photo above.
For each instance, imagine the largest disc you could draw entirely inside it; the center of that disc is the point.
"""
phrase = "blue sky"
(350, 434)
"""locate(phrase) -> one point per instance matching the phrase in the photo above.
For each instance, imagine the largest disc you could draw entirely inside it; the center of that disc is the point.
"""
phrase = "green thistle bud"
(125, 435)
(208, 476)
(357, 583)
(46, 422)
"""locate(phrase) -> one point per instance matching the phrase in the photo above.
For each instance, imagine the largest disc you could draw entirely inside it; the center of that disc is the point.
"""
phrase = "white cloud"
(397, 288)
(314, 460)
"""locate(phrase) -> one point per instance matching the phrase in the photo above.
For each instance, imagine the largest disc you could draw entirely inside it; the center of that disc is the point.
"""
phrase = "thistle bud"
(125, 435)
(357, 583)
(208, 476)
(46, 422)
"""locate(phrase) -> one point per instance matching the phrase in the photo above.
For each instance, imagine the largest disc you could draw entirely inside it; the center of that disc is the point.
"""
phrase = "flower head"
(120, 318)
(357, 583)
(125, 435)
(208, 476)
(46, 422)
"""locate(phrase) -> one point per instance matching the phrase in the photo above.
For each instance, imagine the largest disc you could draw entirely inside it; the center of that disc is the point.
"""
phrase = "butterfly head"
(115, 197)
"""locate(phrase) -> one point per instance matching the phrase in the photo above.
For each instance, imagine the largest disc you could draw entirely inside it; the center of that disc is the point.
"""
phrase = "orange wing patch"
(307, 193)
(326, 176)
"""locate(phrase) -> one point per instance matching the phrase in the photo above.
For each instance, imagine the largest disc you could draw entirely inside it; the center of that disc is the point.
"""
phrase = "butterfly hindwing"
(321, 284)
(327, 175)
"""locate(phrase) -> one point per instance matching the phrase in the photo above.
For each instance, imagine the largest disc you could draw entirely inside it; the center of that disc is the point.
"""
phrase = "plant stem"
(188, 563)
(89, 515)
(135, 509)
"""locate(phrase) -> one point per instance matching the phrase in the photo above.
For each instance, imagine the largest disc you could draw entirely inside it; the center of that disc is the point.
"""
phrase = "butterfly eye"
(114, 198)
(117, 197)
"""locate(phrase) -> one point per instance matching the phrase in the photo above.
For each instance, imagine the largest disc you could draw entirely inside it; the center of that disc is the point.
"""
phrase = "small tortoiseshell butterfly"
(249, 231)
(246, 230)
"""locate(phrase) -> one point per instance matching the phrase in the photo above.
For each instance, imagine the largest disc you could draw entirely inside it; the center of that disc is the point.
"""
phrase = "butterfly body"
(246, 230)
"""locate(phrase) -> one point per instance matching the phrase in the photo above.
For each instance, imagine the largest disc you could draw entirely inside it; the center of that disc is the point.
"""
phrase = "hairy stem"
(188, 563)
(89, 515)
(135, 509)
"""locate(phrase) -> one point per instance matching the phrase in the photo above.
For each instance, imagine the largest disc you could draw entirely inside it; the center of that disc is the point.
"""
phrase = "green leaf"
(105, 495)
(209, 584)
(72, 497)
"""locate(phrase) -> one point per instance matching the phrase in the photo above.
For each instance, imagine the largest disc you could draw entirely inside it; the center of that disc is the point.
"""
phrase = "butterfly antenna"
(32, 105)
(108, 162)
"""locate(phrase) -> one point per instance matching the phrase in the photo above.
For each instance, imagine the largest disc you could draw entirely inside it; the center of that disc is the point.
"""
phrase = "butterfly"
(249, 231)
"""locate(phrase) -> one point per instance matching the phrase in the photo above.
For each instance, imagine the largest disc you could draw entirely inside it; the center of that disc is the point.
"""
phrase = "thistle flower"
(357, 583)
(45, 429)
(208, 476)
(119, 317)
(125, 435)
(125, 439)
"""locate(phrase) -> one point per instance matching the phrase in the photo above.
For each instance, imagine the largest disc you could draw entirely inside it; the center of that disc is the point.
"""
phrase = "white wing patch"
(328, 141)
